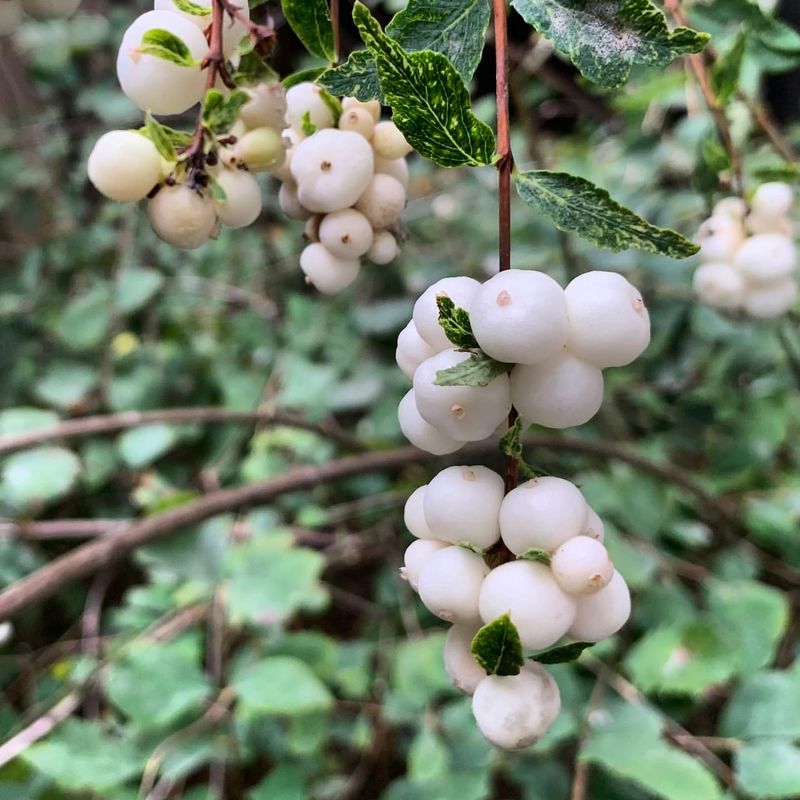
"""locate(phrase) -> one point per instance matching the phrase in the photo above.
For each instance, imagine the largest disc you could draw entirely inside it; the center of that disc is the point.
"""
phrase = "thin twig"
(337, 32)
(580, 779)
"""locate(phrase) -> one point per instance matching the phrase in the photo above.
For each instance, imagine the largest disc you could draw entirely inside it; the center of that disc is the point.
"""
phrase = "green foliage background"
(302, 662)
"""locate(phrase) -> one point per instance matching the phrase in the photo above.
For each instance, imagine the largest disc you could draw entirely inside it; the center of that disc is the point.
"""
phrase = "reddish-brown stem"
(261, 32)
(337, 33)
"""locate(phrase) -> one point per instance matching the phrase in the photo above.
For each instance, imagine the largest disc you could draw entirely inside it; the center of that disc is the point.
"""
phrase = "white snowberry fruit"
(389, 142)
(384, 248)
(383, 201)
(719, 238)
(542, 514)
(720, 285)
(420, 432)
(290, 203)
(242, 203)
(520, 317)
(462, 504)
(372, 106)
(767, 258)
(465, 413)
(771, 300)
(358, 120)
(182, 217)
(582, 566)
(124, 166)
(562, 392)
(515, 711)
(460, 290)
(603, 613)
(416, 555)
(233, 30)
(464, 671)
(266, 107)
(332, 169)
(609, 323)
(261, 149)
(411, 350)
(153, 83)
(450, 584)
(414, 514)
(773, 199)
(325, 272)
(527, 591)
(758, 223)
(594, 527)
(311, 228)
(306, 98)
(396, 167)
(346, 233)
(733, 207)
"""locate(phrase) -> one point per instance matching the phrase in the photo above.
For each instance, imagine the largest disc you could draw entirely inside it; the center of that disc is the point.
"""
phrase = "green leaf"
(428, 756)
(769, 770)
(784, 173)
(65, 385)
(605, 38)
(220, 111)
(253, 69)
(455, 28)
(178, 139)
(188, 7)
(429, 102)
(477, 370)
(455, 323)
(535, 554)
(167, 46)
(135, 287)
(727, 70)
(139, 447)
(158, 135)
(40, 475)
(511, 441)
(303, 76)
(310, 20)
(357, 77)
(307, 126)
(577, 206)
(279, 685)
(497, 647)
(767, 704)
(284, 782)
(23, 420)
(83, 322)
(562, 655)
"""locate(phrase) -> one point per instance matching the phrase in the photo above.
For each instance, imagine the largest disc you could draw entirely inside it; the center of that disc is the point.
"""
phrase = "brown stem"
(337, 33)
(761, 115)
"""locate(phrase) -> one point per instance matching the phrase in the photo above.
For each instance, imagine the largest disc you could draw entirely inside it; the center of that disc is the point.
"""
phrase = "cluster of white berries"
(347, 178)
(462, 513)
(12, 12)
(558, 341)
(749, 259)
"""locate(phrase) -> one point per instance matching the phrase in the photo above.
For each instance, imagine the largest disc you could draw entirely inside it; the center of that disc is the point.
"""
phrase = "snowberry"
(182, 217)
(515, 711)
(594, 527)
(261, 149)
(609, 323)
(450, 584)
(759, 223)
(526, 590)
(542, 513)
(460, 290)
(383, 201)
(582, 566)
(332, 169)
(233, 30)
(462, 504)
(520, 317)
(153, 83)
(124, 166)
(465, 413)
(420, 432)
(10, 17)
(720, 285)
(773, 199)
(464, 671)
(416, 555)
(603, 613)
(733, 207)
(384, 248)
(396, 167)
(414, 514)
(562, 392)
(346, 233)
(266, 107)
(372, 106)
(411, 350)
(358, 120)
(50, 9)
(311, 228)
(767, 257)
(282, 169)
(242, 203)
(325, 272)
(289, 202)
(389, 142)
(719, 238)
(306, 98)
(771, 300)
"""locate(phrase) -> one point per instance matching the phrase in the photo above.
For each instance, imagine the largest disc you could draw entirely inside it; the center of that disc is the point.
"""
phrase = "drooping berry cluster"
(555, 342)
(562, 583)
(346, 175)
(749, 259)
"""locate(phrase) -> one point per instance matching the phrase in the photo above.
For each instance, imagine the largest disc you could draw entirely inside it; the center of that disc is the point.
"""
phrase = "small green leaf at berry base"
(497, 647)
(477, 370)
(307, 126)
(253, 69)
(160, 137)
(219, 111)
(511, 441)
(535, 554)
(166, 46)
(455, 323)
(563, 654)
(193, 9)
(302, 76)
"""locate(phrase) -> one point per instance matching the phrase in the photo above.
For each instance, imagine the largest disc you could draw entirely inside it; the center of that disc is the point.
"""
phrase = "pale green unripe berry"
(357, 120)
(396, 167)
(582, 566)
(767, 258)
(421, 433)
(460, 290)
(594, 527)
(182, 217)
(770, 300)
(414, 514)
(515, 711)
(527, 591)
(542, 514)
(325, 272)
(346, 233)
(462, 504)
(603, 613)
(124, 166)
(266, 107)
(383, 201)
(306, 98)
(773, 199)
(411, 350)
(372, 106)
(450, 584)
(464, 671)
(242, 203)
(389, 142)
(719, 238)
(520, 317)
(719, 285)
(260, 149)
(415, 557)
(562, 392)
(289, 202)
(50, 9)
(10, 17)
(384, 248)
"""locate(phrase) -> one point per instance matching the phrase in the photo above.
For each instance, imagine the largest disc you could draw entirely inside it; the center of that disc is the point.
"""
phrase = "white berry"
(383, 201)
(773, 199)
(346, 233)
(421, 433)
(414, 514)
(358, 120)
(396, 167)
(124, 166)
(719, 238)
(460, 290)
(594, 527)
(233, 30)
(182, 217)
(290, 203)
(416, 556)
(306, 98)
(720, 285)
(411, 350)
(325, 272)
(771, 300)
(242, 203)
(767, 257)
(450, 584)
(582, 566)
(602, 614)
(733, 207)
(372, 106)
(389, 142)
(464, 671)
(266, 107)
(384, 248)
